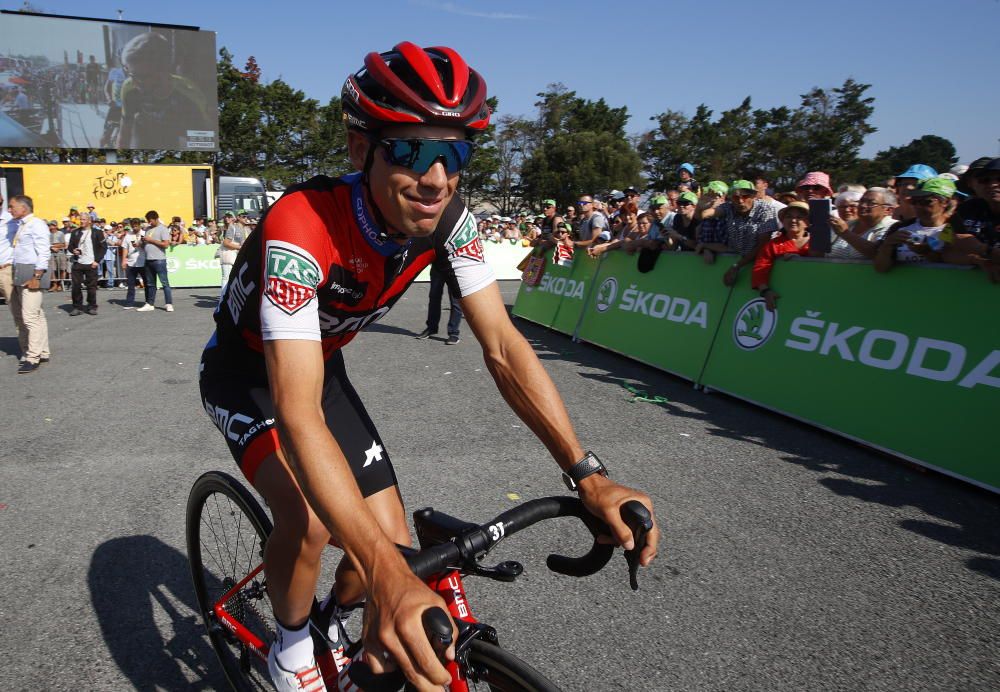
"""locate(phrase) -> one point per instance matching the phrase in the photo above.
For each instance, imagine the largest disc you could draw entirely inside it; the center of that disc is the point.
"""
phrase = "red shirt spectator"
(794, 240)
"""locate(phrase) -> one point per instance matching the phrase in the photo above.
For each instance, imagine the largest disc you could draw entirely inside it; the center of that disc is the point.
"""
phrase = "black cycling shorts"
(245, 416)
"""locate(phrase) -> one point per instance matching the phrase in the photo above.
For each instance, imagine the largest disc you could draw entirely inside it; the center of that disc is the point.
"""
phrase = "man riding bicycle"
(329, 258)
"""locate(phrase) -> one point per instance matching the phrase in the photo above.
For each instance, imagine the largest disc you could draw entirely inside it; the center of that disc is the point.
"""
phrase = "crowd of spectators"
(919, 216)
(122, 251)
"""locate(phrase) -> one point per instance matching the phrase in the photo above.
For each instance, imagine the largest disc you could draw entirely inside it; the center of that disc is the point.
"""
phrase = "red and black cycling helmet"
(410, 84)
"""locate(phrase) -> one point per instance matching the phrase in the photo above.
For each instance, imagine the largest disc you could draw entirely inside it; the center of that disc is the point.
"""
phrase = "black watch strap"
(587, 466)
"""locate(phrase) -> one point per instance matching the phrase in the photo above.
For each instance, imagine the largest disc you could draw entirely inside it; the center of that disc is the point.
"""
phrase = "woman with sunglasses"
(924, 238)
(327, 259)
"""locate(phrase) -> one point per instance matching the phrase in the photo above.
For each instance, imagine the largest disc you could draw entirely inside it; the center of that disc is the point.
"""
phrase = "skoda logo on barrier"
(607, 293)
(754, 324)
(173, 264)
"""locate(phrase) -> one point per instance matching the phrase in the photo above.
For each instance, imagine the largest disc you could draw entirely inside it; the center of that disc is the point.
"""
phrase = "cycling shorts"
(244, 413)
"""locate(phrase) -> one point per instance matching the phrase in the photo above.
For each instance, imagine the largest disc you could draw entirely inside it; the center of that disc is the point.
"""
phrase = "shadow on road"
(145, 604)
(961, 515)
(206, 301)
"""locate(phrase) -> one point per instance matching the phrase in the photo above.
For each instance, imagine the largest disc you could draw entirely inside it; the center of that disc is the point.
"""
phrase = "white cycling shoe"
(305, 679)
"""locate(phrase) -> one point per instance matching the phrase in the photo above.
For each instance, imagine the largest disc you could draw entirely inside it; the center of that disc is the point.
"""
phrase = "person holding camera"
(793, 240)
(87, 248)
(924, 238)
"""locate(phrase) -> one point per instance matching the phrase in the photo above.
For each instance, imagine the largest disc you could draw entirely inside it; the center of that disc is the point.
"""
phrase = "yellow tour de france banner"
(908, 361)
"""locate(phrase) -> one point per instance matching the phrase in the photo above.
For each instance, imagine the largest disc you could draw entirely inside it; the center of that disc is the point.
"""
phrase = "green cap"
(943, 187)
(742, 185)
(241, 212)
(548, 203)
(567, 226)
(688, 197)
(718, 187)
(658, 201)
(74, 208)
(228, 213)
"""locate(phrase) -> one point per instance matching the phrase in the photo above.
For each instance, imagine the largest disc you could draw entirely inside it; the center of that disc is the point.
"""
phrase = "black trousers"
(84, 275)
(434, 307)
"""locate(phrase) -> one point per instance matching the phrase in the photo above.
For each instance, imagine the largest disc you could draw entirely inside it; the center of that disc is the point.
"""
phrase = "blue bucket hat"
(919, 171)
(689, 168)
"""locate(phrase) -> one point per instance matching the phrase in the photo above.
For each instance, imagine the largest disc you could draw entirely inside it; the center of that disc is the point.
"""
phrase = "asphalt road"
(792, 560)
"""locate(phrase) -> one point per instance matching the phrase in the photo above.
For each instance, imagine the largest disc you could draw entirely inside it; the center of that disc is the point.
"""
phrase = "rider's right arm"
(397, 598)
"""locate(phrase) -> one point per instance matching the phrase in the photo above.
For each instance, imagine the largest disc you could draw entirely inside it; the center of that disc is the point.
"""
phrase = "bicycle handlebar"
(473, 544)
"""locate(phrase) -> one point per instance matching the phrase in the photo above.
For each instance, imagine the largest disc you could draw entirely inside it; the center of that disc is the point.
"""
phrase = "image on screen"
(99, 84)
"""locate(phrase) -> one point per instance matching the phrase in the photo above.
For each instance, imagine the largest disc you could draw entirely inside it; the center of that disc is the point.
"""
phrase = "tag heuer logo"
(607, 293)
(292, 278)
(465, 241)
(754, 325)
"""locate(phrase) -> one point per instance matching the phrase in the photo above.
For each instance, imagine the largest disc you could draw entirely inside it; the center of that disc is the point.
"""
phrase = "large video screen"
(100, 84)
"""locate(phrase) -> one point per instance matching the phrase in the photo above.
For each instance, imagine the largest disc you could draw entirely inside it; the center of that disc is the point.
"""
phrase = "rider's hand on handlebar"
(603, 498)
(393, 629)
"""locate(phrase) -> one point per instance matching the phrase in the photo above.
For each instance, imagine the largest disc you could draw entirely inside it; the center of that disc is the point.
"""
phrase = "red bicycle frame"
(448, 585)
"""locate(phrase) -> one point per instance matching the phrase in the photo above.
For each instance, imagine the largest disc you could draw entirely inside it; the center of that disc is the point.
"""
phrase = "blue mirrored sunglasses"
(420, 154)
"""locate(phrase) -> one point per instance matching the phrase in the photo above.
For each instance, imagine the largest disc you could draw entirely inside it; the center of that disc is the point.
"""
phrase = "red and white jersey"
(318, 268)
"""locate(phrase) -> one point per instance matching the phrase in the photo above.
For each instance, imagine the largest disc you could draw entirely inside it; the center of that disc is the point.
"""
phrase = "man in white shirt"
(86, 246)
(29, 237)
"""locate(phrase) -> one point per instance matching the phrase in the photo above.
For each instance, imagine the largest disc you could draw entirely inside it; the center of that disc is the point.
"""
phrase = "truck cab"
(235, 193)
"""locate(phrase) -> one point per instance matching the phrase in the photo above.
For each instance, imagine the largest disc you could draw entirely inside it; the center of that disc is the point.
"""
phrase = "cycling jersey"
(317, 268)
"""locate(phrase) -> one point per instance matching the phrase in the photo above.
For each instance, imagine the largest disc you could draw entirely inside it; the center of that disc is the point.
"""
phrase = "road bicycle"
(226, 533)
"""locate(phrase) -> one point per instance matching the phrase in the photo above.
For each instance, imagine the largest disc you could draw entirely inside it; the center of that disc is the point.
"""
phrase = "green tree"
(579, 163)
(936, 152)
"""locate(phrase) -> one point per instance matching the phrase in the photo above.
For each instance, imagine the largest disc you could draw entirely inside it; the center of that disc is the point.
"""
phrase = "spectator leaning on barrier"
(859, 238)
(705, 216)
(682, 234)
(924, 238)
(87, 247)
(793, 240)
(642, 225)
(30, 257)
(550, 218)
(744, 222)
(133, 259)
(593, 228)
(156, 241)
(627, 230)
(977, 222)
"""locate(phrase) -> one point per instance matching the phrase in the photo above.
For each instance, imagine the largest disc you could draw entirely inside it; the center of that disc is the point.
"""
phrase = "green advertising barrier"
(540, 303)
(191, 266)
(666, 318)
(576, 291)
(908, 361)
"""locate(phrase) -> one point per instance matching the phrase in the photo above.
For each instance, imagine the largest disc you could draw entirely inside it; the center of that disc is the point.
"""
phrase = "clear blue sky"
(932, 65)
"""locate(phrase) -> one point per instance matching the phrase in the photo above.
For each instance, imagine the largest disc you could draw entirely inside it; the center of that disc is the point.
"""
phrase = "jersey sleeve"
(460, 253)
(295, 250)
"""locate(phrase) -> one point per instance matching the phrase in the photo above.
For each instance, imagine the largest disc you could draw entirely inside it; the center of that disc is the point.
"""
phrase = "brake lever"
(640, 521)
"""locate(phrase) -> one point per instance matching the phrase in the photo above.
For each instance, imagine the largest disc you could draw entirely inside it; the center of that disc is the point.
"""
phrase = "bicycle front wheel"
(226, 532)
(491, 668)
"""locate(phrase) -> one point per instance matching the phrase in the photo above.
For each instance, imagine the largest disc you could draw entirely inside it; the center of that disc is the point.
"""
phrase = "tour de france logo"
(606, 293)
(754, 324)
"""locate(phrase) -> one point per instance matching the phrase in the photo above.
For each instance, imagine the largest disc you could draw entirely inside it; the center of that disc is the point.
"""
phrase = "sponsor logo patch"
(754, 325)
(465, 241)
(292, 278)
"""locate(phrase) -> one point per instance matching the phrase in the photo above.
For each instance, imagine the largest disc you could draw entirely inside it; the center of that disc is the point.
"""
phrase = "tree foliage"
(825, 132)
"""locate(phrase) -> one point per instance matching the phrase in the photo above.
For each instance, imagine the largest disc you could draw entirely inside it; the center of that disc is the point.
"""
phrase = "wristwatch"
(587, 466)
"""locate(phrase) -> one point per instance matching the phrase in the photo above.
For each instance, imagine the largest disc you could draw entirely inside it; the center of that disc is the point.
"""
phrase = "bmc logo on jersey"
(292, 277)
(464, 241)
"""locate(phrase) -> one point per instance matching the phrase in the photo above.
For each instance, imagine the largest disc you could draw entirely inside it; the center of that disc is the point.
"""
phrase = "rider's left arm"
(526, 386)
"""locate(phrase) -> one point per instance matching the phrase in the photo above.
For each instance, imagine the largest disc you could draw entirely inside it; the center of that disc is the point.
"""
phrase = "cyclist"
(329, 258)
